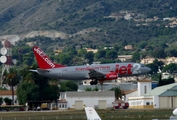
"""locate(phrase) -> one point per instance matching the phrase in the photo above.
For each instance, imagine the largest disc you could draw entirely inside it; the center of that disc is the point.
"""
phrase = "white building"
(124, 58)
(96, 99)
(138, 99)
(160, 97)
(8, 94)
(164, 96)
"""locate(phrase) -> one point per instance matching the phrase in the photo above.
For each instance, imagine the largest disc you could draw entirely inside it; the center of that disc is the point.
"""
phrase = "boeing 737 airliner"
(96, 72)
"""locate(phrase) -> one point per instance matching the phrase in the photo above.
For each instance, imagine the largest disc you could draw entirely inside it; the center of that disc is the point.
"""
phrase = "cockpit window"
(142, 65)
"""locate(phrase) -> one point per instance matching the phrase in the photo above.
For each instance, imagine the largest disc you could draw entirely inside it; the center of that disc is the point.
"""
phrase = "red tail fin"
(43, 60)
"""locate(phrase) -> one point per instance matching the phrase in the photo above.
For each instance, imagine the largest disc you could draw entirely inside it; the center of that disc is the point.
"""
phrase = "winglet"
(43, 60)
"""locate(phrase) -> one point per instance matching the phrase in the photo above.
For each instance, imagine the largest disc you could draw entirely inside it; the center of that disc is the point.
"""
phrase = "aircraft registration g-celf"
(96, 72)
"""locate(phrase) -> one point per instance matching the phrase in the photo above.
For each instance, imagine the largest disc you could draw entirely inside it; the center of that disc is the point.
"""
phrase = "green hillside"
(106, 16)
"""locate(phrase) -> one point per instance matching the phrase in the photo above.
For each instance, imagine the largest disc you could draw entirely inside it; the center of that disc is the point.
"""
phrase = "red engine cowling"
(111, 76)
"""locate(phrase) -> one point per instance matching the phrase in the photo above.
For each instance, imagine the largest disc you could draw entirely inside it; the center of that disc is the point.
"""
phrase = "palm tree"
(118, 93)
(12, 79)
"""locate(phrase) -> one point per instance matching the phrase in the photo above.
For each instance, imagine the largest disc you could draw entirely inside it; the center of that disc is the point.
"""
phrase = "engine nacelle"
(111, 76)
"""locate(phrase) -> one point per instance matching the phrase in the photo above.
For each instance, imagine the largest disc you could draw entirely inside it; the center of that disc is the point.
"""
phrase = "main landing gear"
(94, 82)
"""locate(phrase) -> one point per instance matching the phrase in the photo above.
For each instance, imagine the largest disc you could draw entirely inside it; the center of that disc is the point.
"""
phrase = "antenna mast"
(6, 58)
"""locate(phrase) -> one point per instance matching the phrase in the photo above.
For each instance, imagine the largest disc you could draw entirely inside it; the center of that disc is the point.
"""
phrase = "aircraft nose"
(148, 69)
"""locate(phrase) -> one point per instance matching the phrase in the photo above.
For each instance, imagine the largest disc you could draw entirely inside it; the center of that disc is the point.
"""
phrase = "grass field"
(121, 114)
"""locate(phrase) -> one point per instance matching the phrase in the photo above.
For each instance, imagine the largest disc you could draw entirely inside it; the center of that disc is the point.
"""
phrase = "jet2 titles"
(124, 69)
(40, 53)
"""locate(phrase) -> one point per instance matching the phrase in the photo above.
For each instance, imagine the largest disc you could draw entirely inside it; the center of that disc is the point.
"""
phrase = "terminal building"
(159, 97)
(79, 100)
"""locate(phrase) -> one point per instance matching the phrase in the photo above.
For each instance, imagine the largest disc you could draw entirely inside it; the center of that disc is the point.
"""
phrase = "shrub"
(7, 101)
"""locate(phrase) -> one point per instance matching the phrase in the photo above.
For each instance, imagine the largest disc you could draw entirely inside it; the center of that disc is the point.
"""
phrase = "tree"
(64, 58)
(52, 92)
(170, 68)
(171, 53)
(27, 91)
(1, 100)
(158, 53)
(111, 54)
(68, 86)
(82, 52)
(100, 54)
(155, 66)
(136, 57)
(12, 79)
(142, 44)
(118, 92)
(7, 101)
(116, 48)
(165, 81)
(103, 61)
(34, 87)
(160, 80)
(89, 56)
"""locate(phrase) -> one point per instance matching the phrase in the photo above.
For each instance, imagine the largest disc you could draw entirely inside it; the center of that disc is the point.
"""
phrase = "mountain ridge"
(51, 34)
(73, 16)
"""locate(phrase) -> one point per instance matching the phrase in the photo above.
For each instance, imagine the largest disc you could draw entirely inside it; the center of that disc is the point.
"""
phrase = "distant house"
(8, 94)
(30, 43)
(78, 47)
(171, 60)
(108, 48)
(166, 61)
(166, 75)
(124, 58)
(147, 60)
(128, 47)
(91, 50)
(58, 51)
(166, 19)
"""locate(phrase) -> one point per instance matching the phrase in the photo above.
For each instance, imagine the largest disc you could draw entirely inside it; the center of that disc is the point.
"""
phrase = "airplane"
(175, 112)
(91, 114)
(174, 116)
(95, 72)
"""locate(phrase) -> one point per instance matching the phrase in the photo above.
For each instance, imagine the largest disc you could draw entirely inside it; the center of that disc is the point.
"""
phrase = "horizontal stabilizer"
(34, 71)
(39, 70)
(42, 70)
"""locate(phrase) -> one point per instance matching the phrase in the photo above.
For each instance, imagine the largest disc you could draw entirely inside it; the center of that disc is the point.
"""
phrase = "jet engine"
(111, 76)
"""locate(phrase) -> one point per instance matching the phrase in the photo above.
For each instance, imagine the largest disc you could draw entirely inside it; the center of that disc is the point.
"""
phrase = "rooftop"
(6, 92)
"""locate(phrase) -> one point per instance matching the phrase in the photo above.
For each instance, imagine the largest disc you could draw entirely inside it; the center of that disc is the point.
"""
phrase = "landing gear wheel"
(93, 82)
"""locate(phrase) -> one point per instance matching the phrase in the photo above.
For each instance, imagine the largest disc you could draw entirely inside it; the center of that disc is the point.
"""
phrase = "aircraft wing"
(95, 74)
(91, 114)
